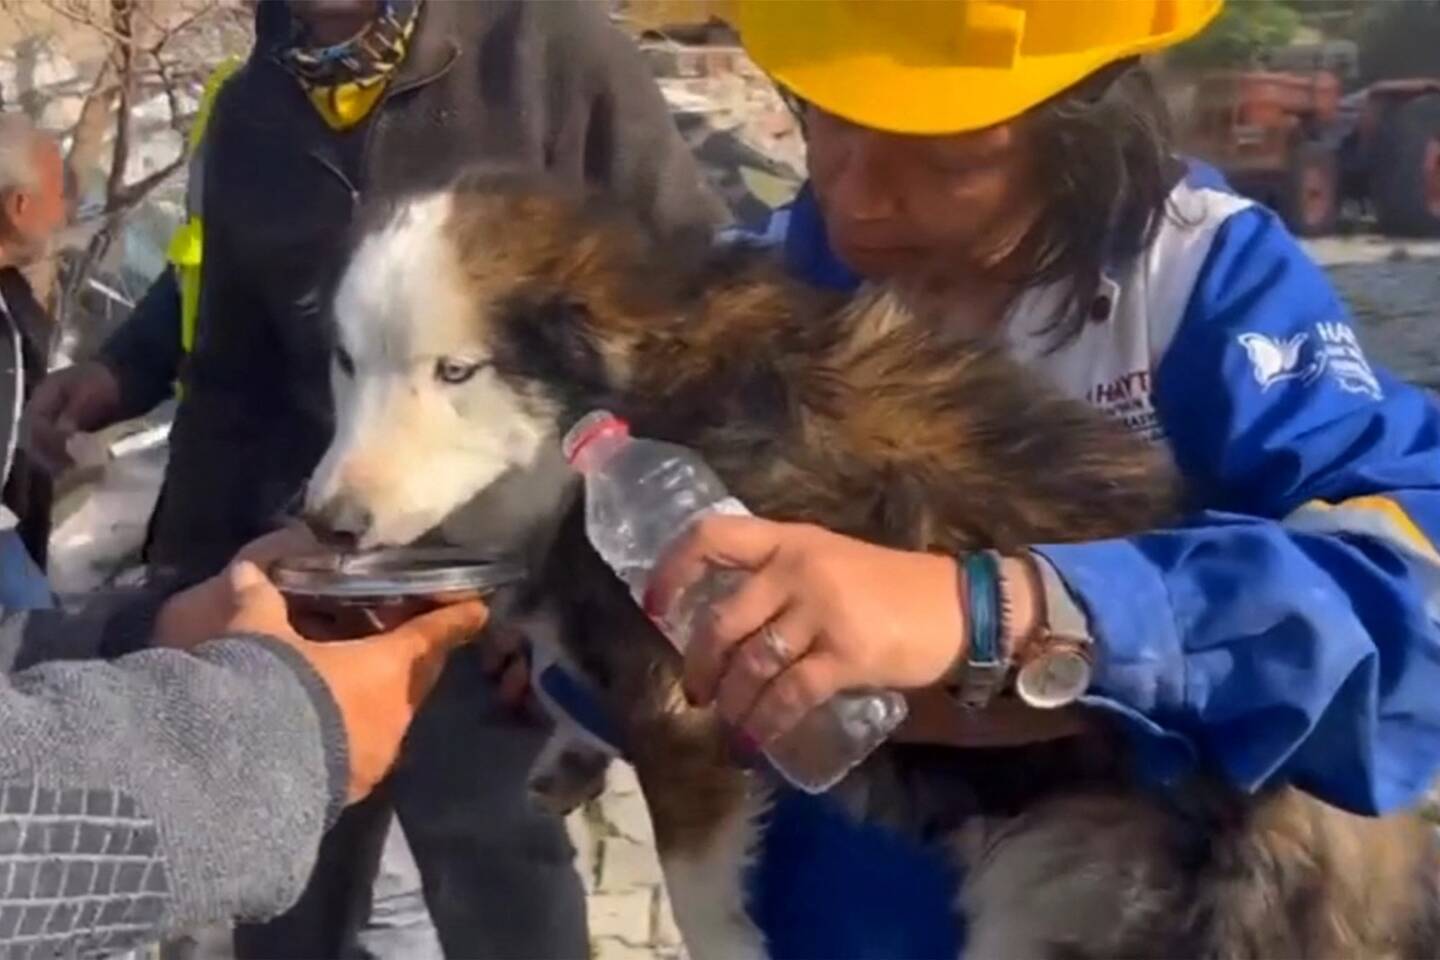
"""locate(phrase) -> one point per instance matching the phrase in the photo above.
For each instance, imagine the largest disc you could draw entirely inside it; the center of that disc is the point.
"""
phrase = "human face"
(334, 21)
(921, 209)
(33, 215)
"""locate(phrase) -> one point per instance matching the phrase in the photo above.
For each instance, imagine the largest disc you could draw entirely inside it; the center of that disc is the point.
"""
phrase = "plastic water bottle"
(642, 494)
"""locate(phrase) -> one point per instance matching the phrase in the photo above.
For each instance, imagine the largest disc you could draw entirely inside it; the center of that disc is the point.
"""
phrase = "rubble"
(1393, 289)
(746, 138)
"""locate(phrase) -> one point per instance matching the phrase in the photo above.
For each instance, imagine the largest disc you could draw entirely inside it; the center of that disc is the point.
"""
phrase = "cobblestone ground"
(630, 916)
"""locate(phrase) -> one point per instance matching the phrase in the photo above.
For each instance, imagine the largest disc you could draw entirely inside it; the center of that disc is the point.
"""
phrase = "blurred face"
(33, 215)
(921, 209)
(334, 21)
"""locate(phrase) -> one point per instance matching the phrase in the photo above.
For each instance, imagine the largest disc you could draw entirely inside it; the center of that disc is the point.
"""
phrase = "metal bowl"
(392, 576)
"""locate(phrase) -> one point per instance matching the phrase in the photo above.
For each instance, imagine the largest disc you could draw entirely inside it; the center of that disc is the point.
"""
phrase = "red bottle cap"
(594, 426)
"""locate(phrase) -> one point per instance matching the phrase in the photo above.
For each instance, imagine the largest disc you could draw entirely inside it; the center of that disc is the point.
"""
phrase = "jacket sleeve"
(1290, 631)
(144, 352)
(628, 140)
(151, 794)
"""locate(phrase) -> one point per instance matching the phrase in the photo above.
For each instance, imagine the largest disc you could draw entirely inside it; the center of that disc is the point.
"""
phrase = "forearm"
(162, 790)
(144, 352)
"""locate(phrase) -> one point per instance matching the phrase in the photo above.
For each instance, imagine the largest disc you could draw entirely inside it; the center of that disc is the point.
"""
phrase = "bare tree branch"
(170, 31)
(172, 95)
(121, 12)
(131, 194)
(148, 49)
(83, 15)
(93, 124)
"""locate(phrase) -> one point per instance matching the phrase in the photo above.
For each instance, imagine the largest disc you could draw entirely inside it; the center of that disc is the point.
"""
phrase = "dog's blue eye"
(345, 362)
(455, 371)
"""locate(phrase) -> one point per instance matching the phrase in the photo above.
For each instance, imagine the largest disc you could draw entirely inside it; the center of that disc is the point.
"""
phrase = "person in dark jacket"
(341, 104)
(549, 85)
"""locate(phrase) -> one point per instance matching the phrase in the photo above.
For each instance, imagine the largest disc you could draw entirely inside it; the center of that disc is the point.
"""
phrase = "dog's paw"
(566, 776)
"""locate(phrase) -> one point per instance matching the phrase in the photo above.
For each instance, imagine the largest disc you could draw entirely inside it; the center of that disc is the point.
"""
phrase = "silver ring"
(776, 644)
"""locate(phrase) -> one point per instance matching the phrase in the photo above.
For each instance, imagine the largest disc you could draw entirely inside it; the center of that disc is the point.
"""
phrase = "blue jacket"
(1287, 631)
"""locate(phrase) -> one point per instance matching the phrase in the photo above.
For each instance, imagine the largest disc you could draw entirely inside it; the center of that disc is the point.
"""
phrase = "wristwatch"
(1054, 668)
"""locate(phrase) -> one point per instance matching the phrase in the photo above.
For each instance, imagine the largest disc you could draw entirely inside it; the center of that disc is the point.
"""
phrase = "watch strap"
(1063, 616)
(1054, 669)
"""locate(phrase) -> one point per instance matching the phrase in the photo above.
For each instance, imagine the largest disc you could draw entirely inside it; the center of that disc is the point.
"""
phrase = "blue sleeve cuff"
(1138, 652)
(1139, 667)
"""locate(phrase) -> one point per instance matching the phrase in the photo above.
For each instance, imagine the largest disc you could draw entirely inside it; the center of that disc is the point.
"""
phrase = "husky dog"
(475, 324)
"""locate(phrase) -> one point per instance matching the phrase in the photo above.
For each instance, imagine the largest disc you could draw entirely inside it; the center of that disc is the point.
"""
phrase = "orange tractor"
(1292, 141)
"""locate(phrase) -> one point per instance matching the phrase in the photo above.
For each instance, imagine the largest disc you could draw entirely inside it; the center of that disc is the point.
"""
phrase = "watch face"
(1054, 679)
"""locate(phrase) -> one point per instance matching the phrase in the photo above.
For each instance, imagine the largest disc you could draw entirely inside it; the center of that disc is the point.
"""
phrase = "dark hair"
(1105, 168)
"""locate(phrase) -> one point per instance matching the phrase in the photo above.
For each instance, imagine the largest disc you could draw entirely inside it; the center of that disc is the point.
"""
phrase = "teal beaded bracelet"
(985, 667)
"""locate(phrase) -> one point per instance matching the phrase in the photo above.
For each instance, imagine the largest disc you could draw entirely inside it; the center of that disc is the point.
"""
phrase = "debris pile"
(746, 138)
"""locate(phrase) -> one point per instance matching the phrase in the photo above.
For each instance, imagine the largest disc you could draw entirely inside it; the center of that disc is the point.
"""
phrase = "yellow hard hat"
(946, 66)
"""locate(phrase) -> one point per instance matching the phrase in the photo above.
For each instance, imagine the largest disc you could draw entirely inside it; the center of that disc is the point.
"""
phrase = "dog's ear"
(549, 336)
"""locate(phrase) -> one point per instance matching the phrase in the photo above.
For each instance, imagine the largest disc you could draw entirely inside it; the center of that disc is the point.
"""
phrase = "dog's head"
(466, 341)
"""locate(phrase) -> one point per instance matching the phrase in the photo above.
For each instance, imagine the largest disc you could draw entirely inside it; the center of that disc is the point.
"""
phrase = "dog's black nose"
(337, 540)
(339, 523)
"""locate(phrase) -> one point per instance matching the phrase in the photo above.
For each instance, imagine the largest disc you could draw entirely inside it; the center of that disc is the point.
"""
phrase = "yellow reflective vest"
(186, 243)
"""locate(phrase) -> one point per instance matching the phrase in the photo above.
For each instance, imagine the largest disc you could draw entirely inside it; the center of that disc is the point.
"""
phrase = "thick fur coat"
(475, 325)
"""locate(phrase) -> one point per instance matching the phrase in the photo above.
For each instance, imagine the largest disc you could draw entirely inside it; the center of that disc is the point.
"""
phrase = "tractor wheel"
(1406, 186)
(1310, 195)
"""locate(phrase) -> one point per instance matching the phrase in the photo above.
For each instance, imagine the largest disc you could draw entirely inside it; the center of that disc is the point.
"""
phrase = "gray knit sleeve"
(160, 791)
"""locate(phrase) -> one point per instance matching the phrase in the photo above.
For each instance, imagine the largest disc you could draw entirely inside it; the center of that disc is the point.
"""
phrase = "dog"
(475, 324)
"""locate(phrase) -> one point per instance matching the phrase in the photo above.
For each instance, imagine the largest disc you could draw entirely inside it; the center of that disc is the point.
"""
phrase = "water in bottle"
(639, 496)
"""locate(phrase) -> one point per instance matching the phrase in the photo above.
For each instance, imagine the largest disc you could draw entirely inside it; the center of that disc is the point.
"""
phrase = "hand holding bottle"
(640, 497)
(816, 614)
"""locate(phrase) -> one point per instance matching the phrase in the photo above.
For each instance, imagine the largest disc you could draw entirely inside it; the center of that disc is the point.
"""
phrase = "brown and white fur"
(858, 417)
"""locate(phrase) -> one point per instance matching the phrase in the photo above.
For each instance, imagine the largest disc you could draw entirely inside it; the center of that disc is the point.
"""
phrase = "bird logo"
(1275, 360)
